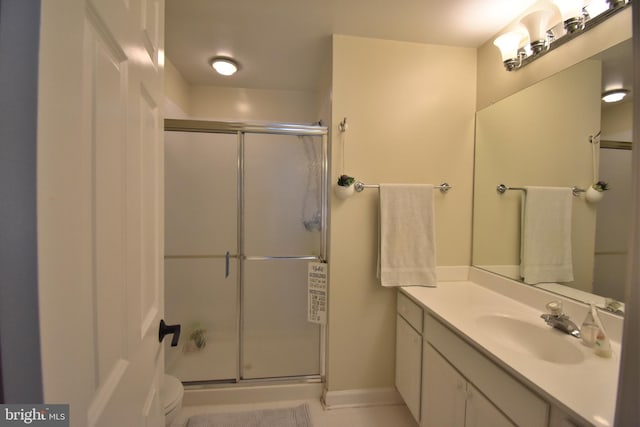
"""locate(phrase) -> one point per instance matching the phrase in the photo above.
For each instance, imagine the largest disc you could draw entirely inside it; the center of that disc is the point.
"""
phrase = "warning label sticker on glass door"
(317, 293)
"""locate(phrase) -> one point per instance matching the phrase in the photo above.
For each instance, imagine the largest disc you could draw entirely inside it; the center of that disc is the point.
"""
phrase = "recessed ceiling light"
(614, 95)
(224, 66)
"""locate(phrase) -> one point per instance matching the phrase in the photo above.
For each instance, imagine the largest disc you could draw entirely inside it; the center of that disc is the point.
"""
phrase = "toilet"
(171, 393)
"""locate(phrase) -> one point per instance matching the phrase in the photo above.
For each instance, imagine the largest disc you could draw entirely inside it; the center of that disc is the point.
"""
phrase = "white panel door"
(100, 218)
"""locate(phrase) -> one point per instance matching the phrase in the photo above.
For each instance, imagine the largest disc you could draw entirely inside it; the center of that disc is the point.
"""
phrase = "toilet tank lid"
(171, 391)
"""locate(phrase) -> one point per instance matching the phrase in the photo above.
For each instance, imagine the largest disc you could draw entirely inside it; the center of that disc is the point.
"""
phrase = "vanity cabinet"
(445, 381)
(409, 353)
(493, 394)
(450, 400)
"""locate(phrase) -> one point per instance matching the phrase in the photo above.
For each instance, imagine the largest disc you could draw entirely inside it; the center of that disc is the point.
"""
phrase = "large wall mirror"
(543, 136)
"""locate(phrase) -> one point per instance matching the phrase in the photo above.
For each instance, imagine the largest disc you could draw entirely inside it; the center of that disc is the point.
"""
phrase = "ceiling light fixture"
(224, 66)
(614, 95)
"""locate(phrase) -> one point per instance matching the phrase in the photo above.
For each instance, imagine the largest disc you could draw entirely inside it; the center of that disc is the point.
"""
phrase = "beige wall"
(617, 122)
(184, 100)
(225, 103)
(410, 111)
(495, 83)
(176, 90)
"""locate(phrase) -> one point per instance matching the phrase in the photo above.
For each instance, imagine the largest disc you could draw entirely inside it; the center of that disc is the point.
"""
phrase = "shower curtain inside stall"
(245, 212)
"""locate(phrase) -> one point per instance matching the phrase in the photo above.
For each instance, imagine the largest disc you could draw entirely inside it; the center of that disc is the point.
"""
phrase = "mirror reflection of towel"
(407, 255)
(546, 235)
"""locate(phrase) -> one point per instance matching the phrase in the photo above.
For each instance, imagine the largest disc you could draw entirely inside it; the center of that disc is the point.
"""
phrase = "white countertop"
(585, 388)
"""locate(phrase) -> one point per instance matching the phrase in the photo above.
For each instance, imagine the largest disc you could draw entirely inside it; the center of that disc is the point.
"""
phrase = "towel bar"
(359, 186)
(503, 189)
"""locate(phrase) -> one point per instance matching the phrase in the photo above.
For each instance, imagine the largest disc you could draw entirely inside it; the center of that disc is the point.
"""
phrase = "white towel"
(546, 235)
(407, 255)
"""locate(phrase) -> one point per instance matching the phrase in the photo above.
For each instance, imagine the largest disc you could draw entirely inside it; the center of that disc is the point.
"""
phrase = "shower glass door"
(282, 232)
(244, 215)
(201, 293)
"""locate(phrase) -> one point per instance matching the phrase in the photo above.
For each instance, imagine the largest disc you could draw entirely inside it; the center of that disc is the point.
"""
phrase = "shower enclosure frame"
(240, 129)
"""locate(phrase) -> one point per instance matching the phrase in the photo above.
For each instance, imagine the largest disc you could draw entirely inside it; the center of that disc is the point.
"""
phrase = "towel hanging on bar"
(546, 254)
(406, 252)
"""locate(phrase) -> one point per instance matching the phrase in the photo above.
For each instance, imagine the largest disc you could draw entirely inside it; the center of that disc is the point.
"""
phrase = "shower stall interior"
(245, 212)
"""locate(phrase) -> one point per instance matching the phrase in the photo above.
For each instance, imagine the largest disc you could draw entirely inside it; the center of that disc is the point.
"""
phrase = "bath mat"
(298, 416)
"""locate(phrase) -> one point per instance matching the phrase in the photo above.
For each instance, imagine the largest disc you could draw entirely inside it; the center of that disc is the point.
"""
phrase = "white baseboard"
(229, 395)
(361, 397)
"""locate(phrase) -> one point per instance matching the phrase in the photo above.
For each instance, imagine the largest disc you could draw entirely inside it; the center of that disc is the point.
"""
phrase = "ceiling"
(283, 44)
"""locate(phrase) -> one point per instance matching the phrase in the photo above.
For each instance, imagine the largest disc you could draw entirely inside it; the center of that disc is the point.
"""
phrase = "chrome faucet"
(559, 320)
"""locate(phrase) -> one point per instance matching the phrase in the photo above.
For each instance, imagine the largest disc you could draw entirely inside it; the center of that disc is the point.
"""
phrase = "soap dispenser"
(601, 341)
(589, 328)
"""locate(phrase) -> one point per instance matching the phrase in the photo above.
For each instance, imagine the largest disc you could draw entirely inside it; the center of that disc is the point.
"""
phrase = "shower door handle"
(169, 330)
(226, 264)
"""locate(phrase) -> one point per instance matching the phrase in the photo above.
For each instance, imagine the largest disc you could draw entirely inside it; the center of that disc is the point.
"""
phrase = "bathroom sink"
(539, 341)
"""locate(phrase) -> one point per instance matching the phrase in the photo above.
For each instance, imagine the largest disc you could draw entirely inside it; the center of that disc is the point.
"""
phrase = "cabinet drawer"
(410, 311)
(515, 400)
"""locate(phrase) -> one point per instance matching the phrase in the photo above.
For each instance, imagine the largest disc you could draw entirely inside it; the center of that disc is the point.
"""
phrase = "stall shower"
(245, 212)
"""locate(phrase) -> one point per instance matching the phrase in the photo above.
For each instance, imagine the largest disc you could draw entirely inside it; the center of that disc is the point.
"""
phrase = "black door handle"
(169, 330)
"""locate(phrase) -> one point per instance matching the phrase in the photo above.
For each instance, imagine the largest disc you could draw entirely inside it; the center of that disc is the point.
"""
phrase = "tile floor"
(372, 416)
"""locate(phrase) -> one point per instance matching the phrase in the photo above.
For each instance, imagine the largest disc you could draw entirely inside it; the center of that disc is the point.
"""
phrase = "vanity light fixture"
(537, 24)
(614, 95)
(224, 65)
(571, 12)
(545, 33)
(509, 43)
(616, 3)
(596, 7)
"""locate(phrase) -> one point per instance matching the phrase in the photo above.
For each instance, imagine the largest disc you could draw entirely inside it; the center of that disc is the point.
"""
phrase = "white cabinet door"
(481, 413)
(408, 365)
(520, 404)
(443, 392)
(449, 400)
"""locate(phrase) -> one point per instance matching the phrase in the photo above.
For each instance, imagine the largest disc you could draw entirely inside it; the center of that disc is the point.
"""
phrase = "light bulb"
(614, 95)
(569, 8)
(537, 24)
(224, 66)
(509, 43)
(571, 12)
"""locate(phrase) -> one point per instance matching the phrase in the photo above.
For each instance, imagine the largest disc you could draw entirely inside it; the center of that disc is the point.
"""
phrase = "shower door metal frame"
(240, 129)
